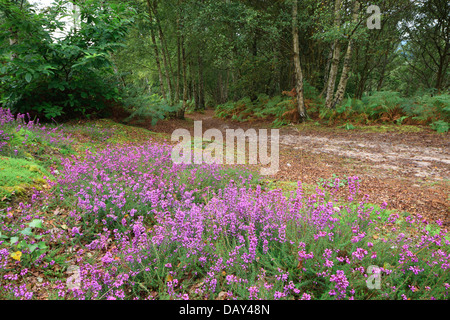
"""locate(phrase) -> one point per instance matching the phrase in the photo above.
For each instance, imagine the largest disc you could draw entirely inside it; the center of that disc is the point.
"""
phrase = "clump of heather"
(137, 226)
(193, 232)
(21, 136)
(118, 185)
(95, 132)
(6, 118)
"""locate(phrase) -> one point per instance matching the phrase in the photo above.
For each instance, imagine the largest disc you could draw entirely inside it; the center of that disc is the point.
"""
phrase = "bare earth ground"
(408, 170)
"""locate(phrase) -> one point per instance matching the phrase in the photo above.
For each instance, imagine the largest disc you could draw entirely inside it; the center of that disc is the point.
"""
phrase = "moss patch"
(391, 128)
(379, 128)
(17, 175)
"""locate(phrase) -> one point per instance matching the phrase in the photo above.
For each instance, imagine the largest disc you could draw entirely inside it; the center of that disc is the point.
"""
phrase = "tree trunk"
(443, 64)
(277, 71)
(361, 87)
(235, 74)
(185, 85)
(347, 64)
(165, 53)
(383, 72)
(219, 89)
(155, 46)
(327, 72)
(178, 89)
(225, 88)
(194, 81)
(298, 69)
(253, 95)
(13, 40)
(201, 90)
(336, 56)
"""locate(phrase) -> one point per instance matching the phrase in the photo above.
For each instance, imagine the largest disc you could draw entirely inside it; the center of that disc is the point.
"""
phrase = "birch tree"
(298, 69)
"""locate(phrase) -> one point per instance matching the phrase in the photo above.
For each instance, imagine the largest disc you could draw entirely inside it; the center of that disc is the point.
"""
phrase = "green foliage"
(95, 131)
(430, 108)
(440, 126)
(143, 105)
(333, 182)
(27, 242)
(381, 104)
(390, 106)
(349, 126)
(38, 146)
(263, 108)
(67, 75)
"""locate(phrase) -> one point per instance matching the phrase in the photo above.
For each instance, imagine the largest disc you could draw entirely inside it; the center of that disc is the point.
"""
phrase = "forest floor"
(406, 167)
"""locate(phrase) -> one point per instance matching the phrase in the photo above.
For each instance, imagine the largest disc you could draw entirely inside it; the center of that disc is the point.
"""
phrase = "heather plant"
(95, 132)
(132, 181)
(252, 244)
(134, 225)
(243, 241)
(332, 181)
(22, 137)
(27, 149)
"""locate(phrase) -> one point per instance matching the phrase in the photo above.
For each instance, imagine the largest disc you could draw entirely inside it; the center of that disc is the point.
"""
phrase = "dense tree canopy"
(204, 53)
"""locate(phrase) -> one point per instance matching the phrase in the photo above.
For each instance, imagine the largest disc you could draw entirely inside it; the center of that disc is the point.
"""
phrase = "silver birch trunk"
(347, 63)
(155, 47)
(298, 69)
(336, 56)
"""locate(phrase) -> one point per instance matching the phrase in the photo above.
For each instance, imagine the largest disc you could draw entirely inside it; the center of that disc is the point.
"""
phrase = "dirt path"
(410, 171)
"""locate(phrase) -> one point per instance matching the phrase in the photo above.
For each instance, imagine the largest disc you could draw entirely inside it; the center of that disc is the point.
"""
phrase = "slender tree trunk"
(276, 86)
(298, 69)
(327, 72)
(165, 53)
(443, 64)
(190, 92)
(336, 56)
(194, 84)
(185, 84)
(347, 63)
(155, 47)
(253, 94)
(383, 72)
(13, 40)
(219, 88)
(178, 89)
(167, 73)
(361, 87)
(201, 90)
(225, 88)
(235, 74)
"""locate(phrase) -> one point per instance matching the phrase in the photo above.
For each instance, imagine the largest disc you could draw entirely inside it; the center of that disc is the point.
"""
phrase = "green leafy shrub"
(276, 108)
(27, 241)
(144, 105)
(430, 108)
(389, 106)
(382, 105)
(66, 76)
(263, 107)
(440, 126)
